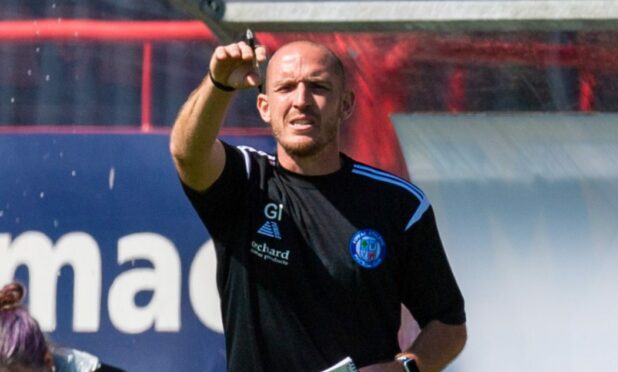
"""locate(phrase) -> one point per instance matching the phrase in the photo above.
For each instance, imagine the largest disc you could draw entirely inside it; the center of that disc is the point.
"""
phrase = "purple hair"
(21, 340)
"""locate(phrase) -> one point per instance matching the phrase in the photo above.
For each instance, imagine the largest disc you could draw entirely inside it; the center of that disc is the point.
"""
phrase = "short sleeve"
(219, 204)
(429, 287)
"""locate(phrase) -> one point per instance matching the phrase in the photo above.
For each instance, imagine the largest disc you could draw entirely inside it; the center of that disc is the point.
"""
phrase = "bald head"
(306, 48)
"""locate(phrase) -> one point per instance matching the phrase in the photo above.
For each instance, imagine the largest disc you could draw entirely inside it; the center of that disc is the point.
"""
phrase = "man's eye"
(320, 87)
(284, 88)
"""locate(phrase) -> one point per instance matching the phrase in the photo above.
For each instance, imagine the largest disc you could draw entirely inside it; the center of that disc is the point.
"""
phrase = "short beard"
(302, 151)
(307, 150)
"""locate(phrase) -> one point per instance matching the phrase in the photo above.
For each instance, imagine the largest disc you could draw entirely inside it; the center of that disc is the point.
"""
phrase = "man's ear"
(348, 102)
(263, 107)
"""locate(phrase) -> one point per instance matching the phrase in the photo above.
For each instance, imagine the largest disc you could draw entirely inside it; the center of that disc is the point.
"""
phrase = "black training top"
(313, 268)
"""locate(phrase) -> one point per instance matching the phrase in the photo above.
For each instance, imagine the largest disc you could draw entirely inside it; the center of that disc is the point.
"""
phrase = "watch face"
(409, 365)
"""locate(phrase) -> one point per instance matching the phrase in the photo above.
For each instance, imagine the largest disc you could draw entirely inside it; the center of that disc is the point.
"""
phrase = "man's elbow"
(459, 334)
(453, 336)
(183, 159)
(177, 149)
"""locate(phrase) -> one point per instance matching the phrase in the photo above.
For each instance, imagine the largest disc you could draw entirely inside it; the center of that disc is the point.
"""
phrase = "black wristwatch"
(409, 364)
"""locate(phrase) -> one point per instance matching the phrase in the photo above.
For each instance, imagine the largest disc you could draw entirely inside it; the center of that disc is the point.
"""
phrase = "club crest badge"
(367, 248)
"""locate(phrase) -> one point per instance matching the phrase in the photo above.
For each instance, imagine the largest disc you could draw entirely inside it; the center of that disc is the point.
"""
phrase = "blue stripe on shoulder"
(388, 178)
(382, 176)
(418, 213)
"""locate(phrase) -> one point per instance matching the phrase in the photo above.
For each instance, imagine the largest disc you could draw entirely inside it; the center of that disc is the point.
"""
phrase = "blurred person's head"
(23, 347)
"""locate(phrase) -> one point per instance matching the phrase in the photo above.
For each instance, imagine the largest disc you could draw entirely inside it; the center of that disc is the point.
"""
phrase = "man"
(316, 252)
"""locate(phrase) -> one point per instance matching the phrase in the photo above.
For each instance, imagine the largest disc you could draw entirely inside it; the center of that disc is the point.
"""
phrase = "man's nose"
(302, 96)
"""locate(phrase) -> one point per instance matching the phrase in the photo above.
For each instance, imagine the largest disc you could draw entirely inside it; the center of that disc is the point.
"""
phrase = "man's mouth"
(302, 123)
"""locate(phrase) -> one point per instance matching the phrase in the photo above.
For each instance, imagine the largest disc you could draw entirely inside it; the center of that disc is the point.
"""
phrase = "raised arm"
(198, 156)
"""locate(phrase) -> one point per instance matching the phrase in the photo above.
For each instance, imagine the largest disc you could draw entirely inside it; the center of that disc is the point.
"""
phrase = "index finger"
(260, 53)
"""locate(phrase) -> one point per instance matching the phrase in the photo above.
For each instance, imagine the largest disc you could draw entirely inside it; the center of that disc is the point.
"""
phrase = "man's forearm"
(198, 123)
(198, 158)
(434, 348)
(437, 345)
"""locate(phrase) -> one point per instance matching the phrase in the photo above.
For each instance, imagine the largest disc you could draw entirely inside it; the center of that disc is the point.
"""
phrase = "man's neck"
(322, 163)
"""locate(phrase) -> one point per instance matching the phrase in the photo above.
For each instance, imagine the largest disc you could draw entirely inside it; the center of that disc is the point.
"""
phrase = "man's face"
(305, 100)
